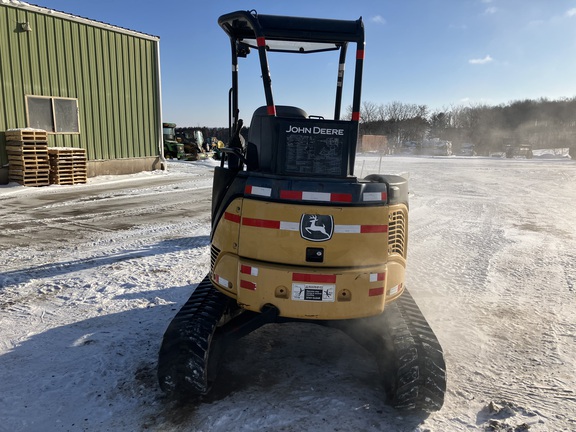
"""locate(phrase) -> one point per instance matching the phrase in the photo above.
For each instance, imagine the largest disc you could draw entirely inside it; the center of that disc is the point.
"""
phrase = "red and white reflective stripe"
(360, 229)
(221, 281)
(378, 291)
(313, 278)
(261, 41)
(258, 190)
(247, 285)
(295, 226)
(374, 196)
(315, 196)
(249, 270)
(394, 290)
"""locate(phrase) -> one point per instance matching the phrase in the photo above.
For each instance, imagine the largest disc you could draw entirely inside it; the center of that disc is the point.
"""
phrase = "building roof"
(64, 15)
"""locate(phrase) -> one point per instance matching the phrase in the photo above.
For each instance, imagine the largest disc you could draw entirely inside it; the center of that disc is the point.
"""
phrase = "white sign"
(313, 292)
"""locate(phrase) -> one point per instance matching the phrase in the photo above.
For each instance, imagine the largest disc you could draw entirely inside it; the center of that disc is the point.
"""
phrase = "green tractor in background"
(183, 144)
(172, 148)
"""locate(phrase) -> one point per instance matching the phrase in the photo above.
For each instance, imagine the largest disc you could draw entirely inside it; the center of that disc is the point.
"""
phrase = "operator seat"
(262, 136)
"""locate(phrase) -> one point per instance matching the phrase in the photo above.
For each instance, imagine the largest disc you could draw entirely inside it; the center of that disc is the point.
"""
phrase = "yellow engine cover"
(318, 262)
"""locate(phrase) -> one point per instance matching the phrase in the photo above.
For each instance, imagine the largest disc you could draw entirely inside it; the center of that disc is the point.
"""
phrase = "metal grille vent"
(397, 233)
(214, 252)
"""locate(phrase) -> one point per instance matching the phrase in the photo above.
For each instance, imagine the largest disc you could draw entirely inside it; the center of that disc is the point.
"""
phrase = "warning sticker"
(313, 292)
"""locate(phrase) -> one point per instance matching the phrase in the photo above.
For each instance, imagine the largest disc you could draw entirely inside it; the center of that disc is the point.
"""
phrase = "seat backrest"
(262, 137)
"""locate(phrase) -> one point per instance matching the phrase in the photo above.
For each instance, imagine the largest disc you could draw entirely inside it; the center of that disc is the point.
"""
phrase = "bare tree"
(541, 123)
(368, 112)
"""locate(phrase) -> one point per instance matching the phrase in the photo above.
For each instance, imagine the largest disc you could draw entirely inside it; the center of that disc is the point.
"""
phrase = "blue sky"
(440, 53)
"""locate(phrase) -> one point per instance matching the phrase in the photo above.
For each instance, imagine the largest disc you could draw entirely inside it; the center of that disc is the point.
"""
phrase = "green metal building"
(89, 84)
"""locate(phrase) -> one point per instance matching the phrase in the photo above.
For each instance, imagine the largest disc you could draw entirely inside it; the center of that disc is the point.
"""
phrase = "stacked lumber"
(28, 162)
(67, 165)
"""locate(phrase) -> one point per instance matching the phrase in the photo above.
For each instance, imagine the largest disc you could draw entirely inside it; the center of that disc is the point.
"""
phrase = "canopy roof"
(291, 34)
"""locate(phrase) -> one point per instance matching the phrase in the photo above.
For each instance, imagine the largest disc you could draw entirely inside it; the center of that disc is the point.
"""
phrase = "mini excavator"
(297, 237)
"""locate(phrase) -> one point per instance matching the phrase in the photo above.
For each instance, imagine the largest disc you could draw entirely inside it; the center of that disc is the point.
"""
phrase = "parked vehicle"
(521, 151)
(172, 147)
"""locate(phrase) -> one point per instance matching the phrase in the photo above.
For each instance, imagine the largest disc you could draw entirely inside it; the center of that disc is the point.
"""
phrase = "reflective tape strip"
(221, 281)
(261, 223)
(355, 116)
(375, 291)
(232, 217)
(258, 190)
(360, 229)
(360, 54)
(318, 278)
(370, 229)
(247, 285)
(315, 196)
(253, 271)
(266, 223)
(291, 195)
(347, 229)
(295, 226)
(375, 277)
(261, 41)
(394, 290)
(340, 197)
(289, 226)
(374, 196)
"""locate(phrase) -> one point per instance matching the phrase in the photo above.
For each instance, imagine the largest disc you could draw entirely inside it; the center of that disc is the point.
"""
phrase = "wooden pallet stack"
(28, 162)
(67, 165)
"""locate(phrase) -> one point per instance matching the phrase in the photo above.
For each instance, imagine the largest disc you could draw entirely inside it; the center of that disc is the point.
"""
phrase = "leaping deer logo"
(316, 227)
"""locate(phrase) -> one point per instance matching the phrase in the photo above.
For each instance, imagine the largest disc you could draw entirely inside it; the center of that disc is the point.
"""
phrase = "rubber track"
(408, 353)
(183, 362)
(415, 374)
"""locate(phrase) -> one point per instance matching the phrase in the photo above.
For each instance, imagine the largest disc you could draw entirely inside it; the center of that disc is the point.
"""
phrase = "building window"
(53, 114)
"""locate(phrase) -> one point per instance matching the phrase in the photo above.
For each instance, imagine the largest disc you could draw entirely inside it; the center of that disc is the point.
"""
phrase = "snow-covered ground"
(91, 275)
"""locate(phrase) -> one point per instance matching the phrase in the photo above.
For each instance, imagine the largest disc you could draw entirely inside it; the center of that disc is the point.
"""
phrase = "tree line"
(540, 123)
